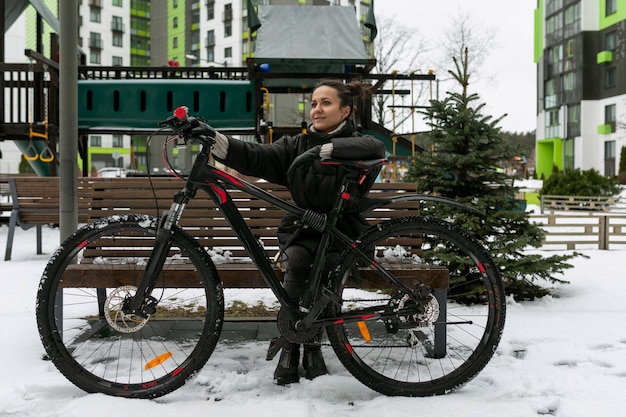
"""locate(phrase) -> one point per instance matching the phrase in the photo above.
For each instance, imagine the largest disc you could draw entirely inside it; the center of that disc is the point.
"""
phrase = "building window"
(174, 3)
(117, 61)
(95, 140)
(175, 42)
(610, 7)
(228, 12)
(570, 81)
(118, 3)
(609, 158)
(117, 39)
(569, 63)
(210, 9)
(95, 40)
(94, 14)
(118, 141)
(572, 20)
(568, 151)
(228, 29)
(117, 24)
(573, 120)
(553, 124)
(228, 52)
(195, 38)
(610, 77)
(550, 99)
(610, 116)
(611, 41)
(210, 54)
(94, 57)
(175, 22)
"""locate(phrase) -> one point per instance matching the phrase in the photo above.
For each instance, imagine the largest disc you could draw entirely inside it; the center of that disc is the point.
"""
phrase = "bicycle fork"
(143, 304)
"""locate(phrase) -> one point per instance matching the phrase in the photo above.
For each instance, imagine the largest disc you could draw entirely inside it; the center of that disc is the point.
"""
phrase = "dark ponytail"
(347, 92)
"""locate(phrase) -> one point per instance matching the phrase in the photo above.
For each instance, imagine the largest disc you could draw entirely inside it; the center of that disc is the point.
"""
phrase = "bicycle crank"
(288, 328)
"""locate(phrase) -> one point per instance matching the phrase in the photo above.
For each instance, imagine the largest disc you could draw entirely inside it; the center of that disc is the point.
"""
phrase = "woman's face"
(326, 110)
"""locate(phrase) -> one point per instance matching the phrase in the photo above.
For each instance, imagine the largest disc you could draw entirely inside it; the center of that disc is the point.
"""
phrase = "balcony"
(604, 57)
(95, 3)
(95, 43)
(117, 27)
(227, 16)
(606, 128)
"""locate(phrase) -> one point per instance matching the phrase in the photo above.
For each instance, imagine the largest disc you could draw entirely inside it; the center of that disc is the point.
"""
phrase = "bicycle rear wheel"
(96, 345)
(434, 340)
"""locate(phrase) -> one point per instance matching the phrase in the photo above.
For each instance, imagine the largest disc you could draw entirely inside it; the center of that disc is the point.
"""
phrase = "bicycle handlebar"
(188, 127)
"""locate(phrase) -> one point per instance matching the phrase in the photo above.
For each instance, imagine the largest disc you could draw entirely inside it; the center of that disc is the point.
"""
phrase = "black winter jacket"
(312, 185)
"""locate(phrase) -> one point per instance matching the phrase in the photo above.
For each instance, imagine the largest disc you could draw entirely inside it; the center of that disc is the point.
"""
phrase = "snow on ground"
(562, 356)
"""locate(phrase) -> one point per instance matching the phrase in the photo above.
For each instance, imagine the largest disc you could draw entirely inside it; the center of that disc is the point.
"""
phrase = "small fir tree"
(465, 149)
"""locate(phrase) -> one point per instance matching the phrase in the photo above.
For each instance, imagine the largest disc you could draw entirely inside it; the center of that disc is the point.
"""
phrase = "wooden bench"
(576, 203)
(35, 203)
(202, 219)
(5, 199)
(205, 223)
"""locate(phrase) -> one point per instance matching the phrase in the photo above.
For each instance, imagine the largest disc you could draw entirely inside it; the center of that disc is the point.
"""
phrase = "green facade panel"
(549, 154)
(144, 103)
(613, 18)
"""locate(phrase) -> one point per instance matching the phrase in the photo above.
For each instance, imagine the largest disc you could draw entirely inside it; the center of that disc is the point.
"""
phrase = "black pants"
(298, 262)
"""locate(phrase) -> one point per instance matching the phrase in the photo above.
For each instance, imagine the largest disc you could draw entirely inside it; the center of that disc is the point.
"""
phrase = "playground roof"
(15, 8)
(309, 39)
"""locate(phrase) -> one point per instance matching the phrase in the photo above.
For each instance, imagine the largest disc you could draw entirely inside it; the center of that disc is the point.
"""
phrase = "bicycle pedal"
(276, 344)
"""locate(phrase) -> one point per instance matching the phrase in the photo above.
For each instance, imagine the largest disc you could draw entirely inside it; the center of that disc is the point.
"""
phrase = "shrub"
(582, 183)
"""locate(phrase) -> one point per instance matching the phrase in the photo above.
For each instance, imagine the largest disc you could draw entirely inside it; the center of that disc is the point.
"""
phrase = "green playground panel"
(144, 103)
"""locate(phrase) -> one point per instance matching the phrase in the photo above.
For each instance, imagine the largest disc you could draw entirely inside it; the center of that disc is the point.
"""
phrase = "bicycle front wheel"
(83, 324)
(435, 327)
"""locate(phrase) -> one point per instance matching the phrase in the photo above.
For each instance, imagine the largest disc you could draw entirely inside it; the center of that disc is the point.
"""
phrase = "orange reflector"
(158, 360)
(364, 331)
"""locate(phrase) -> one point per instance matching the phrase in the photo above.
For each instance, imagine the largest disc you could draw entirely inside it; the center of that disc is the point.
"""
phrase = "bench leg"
(12, 225)
(102, 297)
(39, 246)
(441, 295)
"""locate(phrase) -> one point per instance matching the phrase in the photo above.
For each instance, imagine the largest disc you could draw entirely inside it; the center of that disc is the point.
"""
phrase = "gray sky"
(513, 87)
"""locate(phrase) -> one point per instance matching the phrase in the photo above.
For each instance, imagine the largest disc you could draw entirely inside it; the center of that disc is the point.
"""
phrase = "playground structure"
(131, 100)
(235, 100)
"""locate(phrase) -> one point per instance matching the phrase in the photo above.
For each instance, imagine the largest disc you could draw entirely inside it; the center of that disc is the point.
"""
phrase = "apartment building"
(580, 51)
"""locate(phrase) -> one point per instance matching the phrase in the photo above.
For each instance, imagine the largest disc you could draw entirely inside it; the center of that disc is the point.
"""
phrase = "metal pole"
(2, 30)
(68, 117)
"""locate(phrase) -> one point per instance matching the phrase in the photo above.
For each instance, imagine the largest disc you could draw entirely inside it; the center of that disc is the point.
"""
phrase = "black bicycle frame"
(210, 179)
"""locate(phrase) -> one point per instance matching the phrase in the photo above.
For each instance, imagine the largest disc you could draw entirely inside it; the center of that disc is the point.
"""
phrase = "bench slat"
(234, 275)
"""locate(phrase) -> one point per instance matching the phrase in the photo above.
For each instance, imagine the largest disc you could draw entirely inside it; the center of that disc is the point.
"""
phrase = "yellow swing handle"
(46, 155)
(30, 154)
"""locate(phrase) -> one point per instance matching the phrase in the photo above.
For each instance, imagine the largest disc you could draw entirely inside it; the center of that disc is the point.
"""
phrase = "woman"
(294, 161)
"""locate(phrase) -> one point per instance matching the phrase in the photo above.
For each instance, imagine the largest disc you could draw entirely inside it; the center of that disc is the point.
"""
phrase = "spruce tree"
(464, 151)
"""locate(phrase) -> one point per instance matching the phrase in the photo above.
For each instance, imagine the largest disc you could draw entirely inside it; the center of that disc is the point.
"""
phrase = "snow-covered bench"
(206, 223)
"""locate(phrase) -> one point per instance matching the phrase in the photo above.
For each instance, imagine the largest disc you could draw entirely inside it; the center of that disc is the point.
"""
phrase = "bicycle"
(404, 336)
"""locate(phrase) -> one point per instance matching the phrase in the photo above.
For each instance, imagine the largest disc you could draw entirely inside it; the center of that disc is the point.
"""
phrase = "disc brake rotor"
(429, 313)
(114, 311)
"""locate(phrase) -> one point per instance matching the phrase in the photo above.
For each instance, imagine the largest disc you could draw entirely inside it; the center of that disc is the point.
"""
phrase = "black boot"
(313, 361)
(287, 370)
